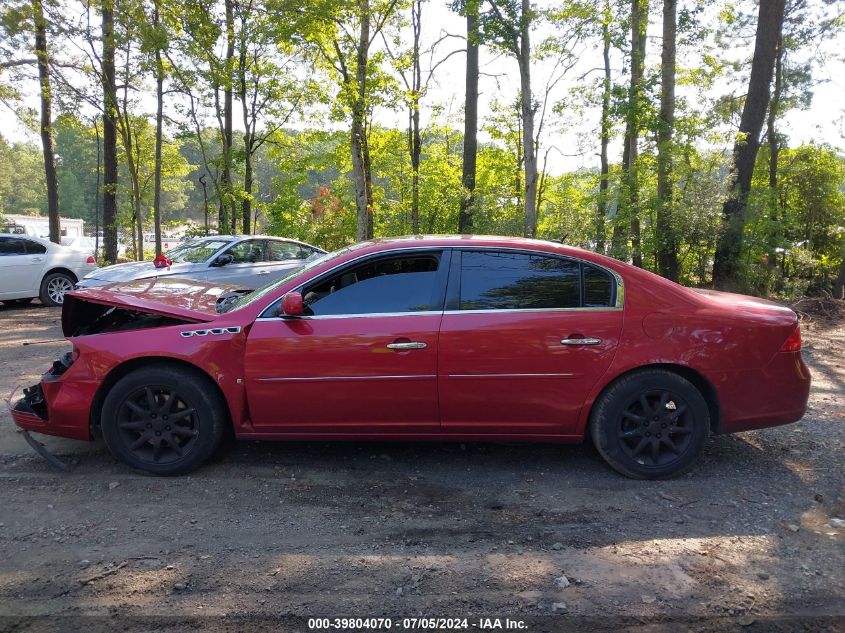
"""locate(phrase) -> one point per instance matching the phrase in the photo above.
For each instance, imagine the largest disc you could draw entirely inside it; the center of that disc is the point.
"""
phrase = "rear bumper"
(774, 395)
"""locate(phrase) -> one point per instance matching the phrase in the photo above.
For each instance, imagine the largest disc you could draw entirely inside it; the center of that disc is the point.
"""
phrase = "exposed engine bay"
(112, 319)
(83, 318)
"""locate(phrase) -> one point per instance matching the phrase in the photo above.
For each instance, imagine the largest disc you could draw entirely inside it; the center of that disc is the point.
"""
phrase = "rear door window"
(598, 287)
(503, 280)
(34, 248)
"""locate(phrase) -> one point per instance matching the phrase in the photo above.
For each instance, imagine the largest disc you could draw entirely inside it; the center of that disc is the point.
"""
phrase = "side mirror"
(292, 305)
(222, 260)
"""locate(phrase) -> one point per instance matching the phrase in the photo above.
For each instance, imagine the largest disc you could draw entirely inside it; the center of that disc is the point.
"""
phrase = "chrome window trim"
(309, 317)
(529, 310)
(620, 285)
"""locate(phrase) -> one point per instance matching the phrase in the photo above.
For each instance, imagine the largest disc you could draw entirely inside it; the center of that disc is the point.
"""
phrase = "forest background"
(702, 142)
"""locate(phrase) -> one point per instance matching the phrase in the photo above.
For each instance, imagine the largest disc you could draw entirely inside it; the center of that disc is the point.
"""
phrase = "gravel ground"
(271, 534)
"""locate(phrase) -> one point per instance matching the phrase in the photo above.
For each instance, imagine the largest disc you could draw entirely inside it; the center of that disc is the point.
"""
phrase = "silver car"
(248, 261)
(32, 267)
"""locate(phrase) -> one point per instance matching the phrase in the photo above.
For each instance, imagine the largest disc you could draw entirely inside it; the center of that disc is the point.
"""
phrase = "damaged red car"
(424, 338)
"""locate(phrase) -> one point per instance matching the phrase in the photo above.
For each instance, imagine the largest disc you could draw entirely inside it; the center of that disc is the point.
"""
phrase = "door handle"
(38, 259)
(263, 272)
(580, 341)
(408, 345)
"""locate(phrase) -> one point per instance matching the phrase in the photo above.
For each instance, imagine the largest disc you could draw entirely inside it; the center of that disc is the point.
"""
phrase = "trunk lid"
(754, 307)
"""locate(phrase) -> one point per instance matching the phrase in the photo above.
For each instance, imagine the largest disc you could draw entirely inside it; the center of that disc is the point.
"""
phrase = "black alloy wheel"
(650, 424)
(158, 425)
(164, 419)
(655, 428)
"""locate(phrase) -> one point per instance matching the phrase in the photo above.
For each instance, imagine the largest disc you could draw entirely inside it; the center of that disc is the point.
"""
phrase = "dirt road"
(272, 534)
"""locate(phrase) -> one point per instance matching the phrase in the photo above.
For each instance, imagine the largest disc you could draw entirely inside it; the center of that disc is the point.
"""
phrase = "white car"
(32, 267)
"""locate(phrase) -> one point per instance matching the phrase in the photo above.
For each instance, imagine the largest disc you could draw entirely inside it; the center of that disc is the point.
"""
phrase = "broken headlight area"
(32, 402)
(60, 366)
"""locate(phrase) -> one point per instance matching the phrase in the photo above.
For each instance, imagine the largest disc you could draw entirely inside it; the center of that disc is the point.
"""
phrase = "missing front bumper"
(31, 411)
(39, 448)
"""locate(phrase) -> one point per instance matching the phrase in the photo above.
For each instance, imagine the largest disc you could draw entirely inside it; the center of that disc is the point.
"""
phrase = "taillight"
(793, 343)
(90, 260)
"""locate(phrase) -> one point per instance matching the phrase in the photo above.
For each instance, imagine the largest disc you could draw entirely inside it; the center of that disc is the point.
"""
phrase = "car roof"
(470, 241)
(32, 238)
(241, 238)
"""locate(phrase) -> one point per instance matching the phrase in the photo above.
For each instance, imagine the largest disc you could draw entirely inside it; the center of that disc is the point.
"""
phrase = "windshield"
(312, 262)
(196, 252)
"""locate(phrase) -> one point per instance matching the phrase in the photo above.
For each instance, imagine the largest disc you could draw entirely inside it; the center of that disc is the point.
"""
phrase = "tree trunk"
(228, 220)
(527, 106)
(109, 136)
(97, 194)
(358, 141)
(729, 245)
(465, 214)
(249, 134)
(639, 23)
(774, 151)
(601, 211)
(50, 177)
(414, 137)
(368, 181)
(839, 288)
(667, 246)
(246, 207)
(355, 144)
(159, 117)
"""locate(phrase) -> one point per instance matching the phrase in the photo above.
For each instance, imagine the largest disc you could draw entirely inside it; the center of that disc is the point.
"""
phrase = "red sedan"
(423, 338)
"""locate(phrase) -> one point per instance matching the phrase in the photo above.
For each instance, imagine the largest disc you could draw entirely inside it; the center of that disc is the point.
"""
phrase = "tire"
(18, 302)
(640, 412)
(143, 410)
(53, 288)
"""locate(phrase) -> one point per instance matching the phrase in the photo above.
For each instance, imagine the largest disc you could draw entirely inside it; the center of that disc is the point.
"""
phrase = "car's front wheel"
(163, 420)
(651, 424)
(54, 287)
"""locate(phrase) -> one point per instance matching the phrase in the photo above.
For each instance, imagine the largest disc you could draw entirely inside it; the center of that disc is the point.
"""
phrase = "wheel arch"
(698, 380)
(133, 364)
(60, 269)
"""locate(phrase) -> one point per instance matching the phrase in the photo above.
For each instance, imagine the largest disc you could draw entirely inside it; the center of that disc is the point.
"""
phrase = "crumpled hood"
(139, 270)
(184, 299)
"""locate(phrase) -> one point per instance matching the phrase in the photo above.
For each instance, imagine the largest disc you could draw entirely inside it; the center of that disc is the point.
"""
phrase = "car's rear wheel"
(54, 287)
(651, 424)
(163, 420)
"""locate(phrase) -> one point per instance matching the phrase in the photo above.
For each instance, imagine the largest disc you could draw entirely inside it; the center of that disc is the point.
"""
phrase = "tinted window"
(598, 287)
(11, 246)
(507, 281)
(281, 251)
(34, 248)
(248, 252)
(391, 284)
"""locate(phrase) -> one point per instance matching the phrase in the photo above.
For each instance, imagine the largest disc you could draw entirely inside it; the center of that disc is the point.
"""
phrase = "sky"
(574, 141)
